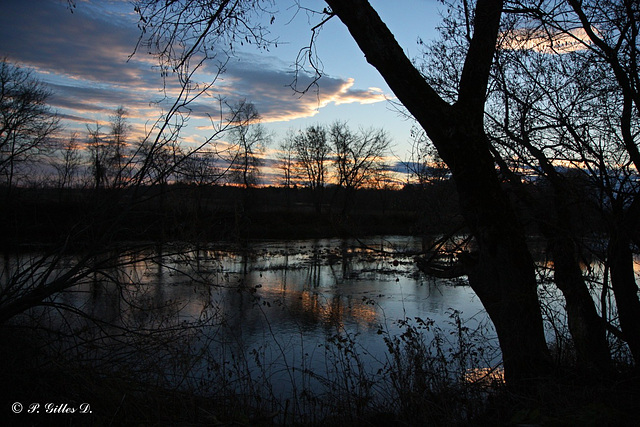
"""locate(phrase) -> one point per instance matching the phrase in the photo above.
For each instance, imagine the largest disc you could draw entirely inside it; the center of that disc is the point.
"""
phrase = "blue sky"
(84, 57)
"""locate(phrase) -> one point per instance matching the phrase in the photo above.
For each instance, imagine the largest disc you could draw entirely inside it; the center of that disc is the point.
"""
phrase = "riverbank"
(185, 213)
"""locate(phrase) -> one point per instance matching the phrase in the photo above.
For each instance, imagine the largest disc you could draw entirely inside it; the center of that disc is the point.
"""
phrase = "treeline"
(35, 152)
(181, 212)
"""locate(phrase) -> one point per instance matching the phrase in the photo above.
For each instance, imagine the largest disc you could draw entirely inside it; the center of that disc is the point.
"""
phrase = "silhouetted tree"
(357, 157)
(117, 145)
(98, 155)
(529, 109)
(502, 271)
(248, 142)
(287, 157)
(200, 169)
(312, 154)
(27, 123)
(68, 162)
(597, 112)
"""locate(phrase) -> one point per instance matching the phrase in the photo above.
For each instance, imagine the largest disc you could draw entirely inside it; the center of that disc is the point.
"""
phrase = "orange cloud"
(545, 42)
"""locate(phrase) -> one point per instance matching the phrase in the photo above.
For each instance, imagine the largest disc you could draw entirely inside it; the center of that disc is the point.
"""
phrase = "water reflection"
(281, 300)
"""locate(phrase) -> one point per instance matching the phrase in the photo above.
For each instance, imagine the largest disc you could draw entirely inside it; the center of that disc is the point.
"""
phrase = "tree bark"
(502, 271)
(625, 289)
(586, 327)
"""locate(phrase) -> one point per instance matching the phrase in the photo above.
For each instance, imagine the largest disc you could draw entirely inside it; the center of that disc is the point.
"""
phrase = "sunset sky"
(84, 57)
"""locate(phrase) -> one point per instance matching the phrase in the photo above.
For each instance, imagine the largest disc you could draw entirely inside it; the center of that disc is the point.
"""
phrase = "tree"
(286, 156)
(527, 117)
(312, 153)
(502, 271)
(357, 156)
(117, 145)
(248, 142)
(200, 169)
(68, 163)
(27, 123)
(602, 132)
(98, 154)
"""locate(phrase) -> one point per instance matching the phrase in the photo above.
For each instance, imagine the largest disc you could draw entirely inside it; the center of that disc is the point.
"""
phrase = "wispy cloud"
(546, 42)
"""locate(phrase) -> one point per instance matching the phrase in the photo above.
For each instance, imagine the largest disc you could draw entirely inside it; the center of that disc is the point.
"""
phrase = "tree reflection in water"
(273, 319)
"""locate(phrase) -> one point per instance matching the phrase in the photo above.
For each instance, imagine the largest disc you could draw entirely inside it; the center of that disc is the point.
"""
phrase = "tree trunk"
(625, 289)
(502, 272)
(586, 327)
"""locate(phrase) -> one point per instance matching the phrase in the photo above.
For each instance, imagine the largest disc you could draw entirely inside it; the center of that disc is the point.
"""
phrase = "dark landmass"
(190, 213)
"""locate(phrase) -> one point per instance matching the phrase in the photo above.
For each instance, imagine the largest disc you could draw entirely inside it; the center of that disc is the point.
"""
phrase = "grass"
(421, 382)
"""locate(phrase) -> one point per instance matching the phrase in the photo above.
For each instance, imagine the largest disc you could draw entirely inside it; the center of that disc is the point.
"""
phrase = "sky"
(84, 55)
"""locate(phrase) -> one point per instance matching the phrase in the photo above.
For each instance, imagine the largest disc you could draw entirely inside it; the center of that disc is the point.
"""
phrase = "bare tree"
(248, 142)
(594, 112)
(287, 157)
(312, 153)
(27, 123)
(176, 32)
(117, 144)
(527, 118)
(200, 169)
(98, 153)
(358, 157)
(68, 163)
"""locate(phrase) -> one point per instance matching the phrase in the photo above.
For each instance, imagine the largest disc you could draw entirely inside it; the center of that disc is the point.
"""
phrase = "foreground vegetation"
(425, 380)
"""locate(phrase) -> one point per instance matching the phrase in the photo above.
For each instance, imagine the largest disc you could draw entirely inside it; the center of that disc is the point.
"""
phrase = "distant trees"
(68, 163)
(27, 123)
(358, 156)
(247, 145)
(312, 153)
(317, 154)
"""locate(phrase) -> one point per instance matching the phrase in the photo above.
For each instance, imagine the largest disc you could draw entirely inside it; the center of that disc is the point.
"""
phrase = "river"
(277, 319)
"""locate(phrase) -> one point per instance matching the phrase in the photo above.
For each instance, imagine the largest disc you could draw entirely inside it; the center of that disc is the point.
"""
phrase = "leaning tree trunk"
(502, 272)
(625, 289)
(586, 326)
